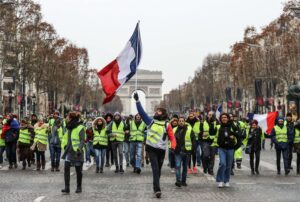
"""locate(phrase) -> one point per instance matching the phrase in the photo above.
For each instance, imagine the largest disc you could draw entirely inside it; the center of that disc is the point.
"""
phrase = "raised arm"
(141, 111)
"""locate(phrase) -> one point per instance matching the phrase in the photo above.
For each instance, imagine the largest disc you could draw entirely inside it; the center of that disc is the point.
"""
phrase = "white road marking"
(285, 183)
(5, 167)
(268, 165)
(39, 199)
(246, 183)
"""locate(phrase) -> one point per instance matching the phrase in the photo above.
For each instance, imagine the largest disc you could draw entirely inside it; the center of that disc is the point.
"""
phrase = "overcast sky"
(176, 34)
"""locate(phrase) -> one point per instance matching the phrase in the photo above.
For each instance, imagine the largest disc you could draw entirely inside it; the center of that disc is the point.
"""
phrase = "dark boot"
(252, 172)
(24, 165)
(66, 190)
(15, 165)
(97, 170)
(57, 169)
(101, 170)
(117, 169)
(79, 181)
(121, 170)
(38, 165)
(52, 169)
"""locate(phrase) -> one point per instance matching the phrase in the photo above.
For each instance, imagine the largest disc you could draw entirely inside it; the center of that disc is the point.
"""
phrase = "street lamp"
(10, 100)
(33, 98)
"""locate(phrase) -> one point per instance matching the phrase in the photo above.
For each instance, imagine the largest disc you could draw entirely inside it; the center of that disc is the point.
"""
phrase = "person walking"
(89, 142)
(255, 137)
(184, 138)
(73, 144)
(2, 142)
(10, 134)
(225, 139)
(281, 138)
(171, 154)
(290, 127)
(109, 152)
(159, 131)
(207, 132)
(100, 142)
(55, 144)
(40, 143)
(24, 144)
(117, 129)
(137, 131)
(296, 142)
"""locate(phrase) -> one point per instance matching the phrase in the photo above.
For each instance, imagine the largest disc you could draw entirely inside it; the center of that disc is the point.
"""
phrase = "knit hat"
(280, 118)
(117, 113)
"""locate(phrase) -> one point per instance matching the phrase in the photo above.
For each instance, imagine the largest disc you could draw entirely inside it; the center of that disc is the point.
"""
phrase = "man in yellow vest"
(117, 129)
(296, 142)
(281, 138)
(136, 139)
(73, 144)
(55, 139)
(184, 144)
(2, 142)
(207, 132)
(159, 131)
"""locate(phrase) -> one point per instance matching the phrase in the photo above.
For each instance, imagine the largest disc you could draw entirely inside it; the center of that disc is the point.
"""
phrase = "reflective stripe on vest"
(41, 135)
(75, 138)
(119, 132)
(297, 136)
(155, 135)
(2, 142)
(24, 136)
(137, 133)
(187, 138)
(100, 138)
(281, 134)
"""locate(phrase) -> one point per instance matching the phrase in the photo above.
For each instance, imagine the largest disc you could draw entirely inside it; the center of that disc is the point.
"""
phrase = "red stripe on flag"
(109, 80)
(271, 117)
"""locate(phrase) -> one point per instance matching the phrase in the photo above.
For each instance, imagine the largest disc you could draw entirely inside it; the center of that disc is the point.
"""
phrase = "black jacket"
(224, 133)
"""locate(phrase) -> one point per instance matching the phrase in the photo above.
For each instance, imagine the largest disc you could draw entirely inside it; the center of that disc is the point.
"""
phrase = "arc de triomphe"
(150, 82)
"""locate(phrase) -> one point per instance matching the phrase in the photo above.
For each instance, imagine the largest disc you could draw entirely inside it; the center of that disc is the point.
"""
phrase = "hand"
(78, 152)
(136, 96)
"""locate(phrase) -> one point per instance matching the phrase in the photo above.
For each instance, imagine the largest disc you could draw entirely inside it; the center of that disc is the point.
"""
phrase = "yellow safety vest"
(24, 136)
(100, 138)
(281, 134)
(41, 135)
(119, 132)
(297, 136)
(155, 135)
(2, 142)
(187, 138)
(75, 138)
(137, 133)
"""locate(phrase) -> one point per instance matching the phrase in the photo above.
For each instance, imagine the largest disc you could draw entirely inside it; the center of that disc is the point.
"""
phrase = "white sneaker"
(87, 164)
(220, 185)
(227, 184)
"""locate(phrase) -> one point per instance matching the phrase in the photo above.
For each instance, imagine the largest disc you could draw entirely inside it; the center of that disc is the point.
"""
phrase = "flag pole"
(137, 54)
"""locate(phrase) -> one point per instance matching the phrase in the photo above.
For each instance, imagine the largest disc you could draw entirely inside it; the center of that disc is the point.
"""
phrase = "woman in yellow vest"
(100, 142)
(184, 138)
(40, 143)
(73, 145)
(24, 144)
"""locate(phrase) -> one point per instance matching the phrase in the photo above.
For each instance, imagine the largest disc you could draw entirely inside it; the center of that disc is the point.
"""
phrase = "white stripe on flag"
(262, 121)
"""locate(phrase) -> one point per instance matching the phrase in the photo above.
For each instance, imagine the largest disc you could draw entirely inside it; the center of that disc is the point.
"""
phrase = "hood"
(95, 122)
(36, 126)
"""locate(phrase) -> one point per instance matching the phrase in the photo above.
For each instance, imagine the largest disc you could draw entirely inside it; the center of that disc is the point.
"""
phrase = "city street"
(30, 185)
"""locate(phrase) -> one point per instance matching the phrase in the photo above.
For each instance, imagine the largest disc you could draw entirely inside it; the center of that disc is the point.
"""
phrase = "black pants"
(192, 158)
(157, 160)
(298, 162)
(40, 156)
(290, 155)
(11, 149)
(257, 158)
(285, 159)
(208, 157)
(78, 169)
(109, 153)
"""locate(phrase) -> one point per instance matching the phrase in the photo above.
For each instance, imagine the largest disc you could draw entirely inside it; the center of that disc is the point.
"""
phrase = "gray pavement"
(31, 185)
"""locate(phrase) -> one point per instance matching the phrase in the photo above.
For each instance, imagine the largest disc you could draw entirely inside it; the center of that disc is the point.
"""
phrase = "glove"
(136, 96)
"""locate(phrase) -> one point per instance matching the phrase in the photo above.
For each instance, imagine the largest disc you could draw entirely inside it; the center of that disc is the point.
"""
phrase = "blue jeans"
(171, 159)
(55, 153)
(181, 160)
(100, 155)
(89, 151)
(2, 149)
(226, 159)
(126, 151)
(136, 154)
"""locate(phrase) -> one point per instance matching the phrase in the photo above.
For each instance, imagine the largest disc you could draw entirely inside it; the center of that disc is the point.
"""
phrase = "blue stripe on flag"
(136, 44)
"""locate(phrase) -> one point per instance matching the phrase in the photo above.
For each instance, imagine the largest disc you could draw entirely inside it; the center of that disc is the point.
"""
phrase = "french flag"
(218, 112)
(265, 121)
(120, 70)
